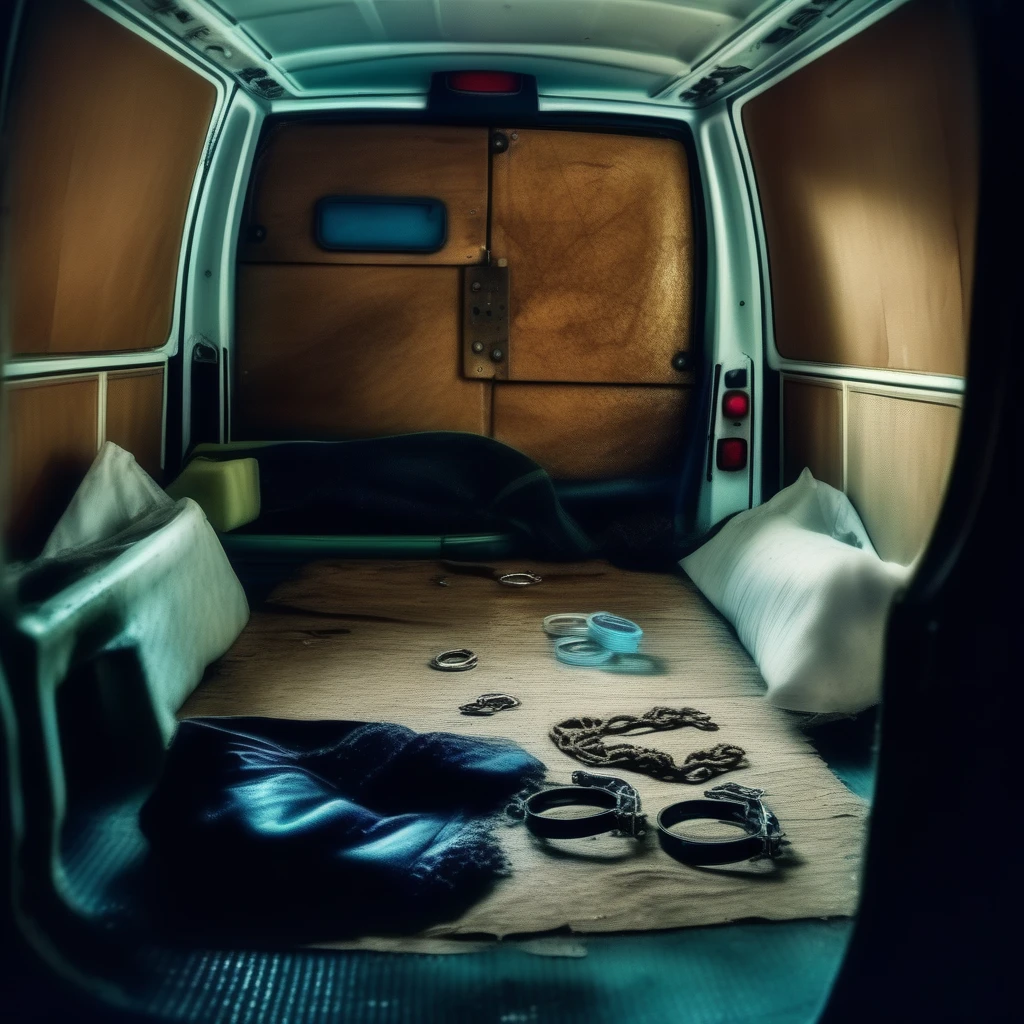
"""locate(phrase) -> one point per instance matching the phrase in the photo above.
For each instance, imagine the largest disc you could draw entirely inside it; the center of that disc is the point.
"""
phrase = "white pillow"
(140, 561)
(115, 493)
(808, 596)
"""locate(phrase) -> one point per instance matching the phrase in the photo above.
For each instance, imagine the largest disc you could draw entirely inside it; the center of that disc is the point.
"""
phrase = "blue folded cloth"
(329, 826)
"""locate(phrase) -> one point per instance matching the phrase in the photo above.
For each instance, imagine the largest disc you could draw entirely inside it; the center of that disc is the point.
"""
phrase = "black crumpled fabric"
(326, 827)
(425, 483)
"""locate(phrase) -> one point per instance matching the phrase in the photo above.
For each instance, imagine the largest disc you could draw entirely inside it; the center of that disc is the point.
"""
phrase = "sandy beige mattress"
(352, 640)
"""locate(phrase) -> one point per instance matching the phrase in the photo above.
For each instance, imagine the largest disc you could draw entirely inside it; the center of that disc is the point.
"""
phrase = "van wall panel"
(866, 166)
(302, 163)
(900, 452)
(597, 230)
(335, 352)
(52, 439)
(135, 410)
(813, 431)
(593, 432)
(106, 134)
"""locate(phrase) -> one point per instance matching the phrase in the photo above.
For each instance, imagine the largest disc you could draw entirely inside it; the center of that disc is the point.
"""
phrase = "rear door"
(556, 316)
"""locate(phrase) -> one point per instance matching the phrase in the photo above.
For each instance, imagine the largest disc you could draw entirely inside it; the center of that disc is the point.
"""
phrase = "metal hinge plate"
(485, 354)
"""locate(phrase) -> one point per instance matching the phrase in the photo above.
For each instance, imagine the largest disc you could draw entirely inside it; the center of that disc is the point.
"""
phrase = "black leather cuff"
(602, 820)
(732, 803)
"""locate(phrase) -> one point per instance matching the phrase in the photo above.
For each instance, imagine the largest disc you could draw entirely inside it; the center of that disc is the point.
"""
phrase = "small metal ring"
(489, 703)
(506, 700)
(520, 579)
(460, 660)
(566, 624)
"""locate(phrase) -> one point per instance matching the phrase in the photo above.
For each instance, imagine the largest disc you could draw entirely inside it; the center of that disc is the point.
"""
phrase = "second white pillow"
(808, 596)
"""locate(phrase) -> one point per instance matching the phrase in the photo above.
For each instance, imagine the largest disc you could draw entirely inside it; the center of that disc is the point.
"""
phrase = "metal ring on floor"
(566, 624)
(488, 703)
(520, 579)
(460, 660)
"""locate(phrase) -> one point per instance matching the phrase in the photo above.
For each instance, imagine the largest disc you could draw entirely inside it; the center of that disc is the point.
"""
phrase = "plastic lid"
(614, 632)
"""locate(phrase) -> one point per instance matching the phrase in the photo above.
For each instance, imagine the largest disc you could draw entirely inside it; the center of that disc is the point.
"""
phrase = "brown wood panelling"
(305, 162)
(899, 454)
(327, 351)
(52, 435)
(106, 134)
(592, 432)
(866, 164)
(812, 430)
(135, 415)
(598, 234)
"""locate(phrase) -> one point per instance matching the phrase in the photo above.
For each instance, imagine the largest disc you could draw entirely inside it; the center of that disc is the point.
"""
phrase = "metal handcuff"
(729, 802)
(460, 660)
(618, 808)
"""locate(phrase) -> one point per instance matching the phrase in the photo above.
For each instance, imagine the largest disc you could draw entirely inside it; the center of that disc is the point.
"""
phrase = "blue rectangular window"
(381, 224)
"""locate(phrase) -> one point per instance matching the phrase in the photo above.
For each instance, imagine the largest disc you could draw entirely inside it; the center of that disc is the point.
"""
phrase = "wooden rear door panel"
(593, 431)
(597, 231)
(328, 352)
(302, 163)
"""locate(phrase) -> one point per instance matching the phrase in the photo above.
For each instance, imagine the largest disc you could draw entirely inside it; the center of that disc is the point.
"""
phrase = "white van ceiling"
(608, 49)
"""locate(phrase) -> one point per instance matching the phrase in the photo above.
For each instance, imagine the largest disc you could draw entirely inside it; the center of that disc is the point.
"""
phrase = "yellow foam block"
(228, 492)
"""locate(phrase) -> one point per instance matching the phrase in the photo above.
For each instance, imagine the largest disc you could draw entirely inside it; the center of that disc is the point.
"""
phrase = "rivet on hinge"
(485, 322)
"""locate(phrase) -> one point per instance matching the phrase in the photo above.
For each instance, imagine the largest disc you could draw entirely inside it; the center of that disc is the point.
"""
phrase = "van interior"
(412, 407)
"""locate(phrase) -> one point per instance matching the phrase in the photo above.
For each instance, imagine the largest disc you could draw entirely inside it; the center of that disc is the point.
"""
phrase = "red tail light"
(485, 81)
(732, 453)
(735, 405)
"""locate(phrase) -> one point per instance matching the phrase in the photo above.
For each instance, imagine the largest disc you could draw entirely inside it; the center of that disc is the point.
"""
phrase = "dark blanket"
(328, 828)
(438, 483)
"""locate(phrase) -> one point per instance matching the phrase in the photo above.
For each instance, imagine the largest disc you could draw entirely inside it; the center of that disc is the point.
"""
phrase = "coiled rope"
(583, 739)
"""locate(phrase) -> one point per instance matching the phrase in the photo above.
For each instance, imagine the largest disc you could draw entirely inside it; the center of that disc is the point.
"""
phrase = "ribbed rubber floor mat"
(753, 972)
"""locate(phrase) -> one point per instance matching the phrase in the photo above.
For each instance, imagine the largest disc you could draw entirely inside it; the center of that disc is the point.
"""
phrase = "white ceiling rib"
(596, 49)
